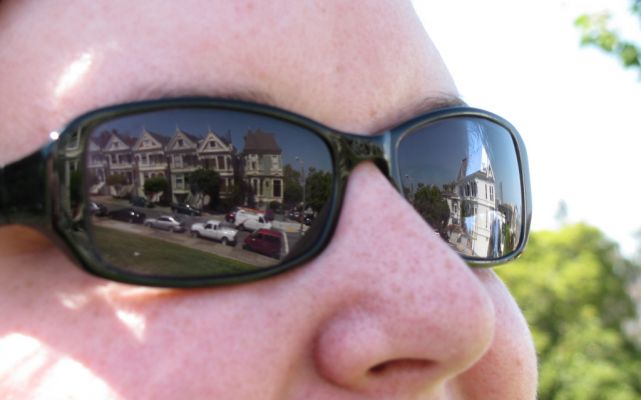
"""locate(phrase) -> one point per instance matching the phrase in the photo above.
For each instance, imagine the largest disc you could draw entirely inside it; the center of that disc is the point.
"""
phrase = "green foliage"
(75, 188)
(429, 202)
(293, 192)
(318, 189)
(571, 285)
(596, 31)
(206, 181)
(156, 184)
(116, 180)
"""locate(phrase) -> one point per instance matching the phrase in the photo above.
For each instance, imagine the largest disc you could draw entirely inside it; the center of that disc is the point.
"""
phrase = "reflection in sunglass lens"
(462, 175)
(204, 193)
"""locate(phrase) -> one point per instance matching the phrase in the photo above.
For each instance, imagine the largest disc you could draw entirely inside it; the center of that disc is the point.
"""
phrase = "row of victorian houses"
(175, 157)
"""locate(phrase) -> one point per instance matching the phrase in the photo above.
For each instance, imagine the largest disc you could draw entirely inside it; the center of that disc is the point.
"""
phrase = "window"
(467, 189)
(180, 182)
(221, 162)
(277, 188)
(474, 189)
(212, 144)
(492, 193)
(180, 143)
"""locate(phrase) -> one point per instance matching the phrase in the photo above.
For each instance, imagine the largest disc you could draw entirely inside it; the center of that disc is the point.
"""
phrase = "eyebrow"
(427, 104)
(251, 96)
(435, 102)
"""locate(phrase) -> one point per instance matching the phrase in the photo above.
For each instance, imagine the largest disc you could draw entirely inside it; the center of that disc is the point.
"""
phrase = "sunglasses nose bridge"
(355, 149)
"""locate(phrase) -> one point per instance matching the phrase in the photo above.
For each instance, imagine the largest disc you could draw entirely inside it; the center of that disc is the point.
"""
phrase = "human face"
(395, 315)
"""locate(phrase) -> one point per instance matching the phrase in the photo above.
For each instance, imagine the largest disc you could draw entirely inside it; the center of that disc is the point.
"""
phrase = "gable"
(181, 141)
(213, 144)
(115, 143)
(147, 142)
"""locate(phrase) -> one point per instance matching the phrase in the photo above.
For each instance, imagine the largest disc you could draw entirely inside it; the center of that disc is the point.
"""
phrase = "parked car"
(231, 216)
(293, 214)
(308, 219)
(184, 208)
(265, 241)
(166, 222)
(269, 215)
(215, 230)
(128, 215)
(250, 221)
(97, 209)
(141, 202)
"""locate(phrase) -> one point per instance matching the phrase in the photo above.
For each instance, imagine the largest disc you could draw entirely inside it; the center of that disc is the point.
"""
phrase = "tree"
(293, 190)
(571, 285)
(156, 185)
(318, 189)
(116, 180)
(207, 182)
(429, 202)
(596, 31)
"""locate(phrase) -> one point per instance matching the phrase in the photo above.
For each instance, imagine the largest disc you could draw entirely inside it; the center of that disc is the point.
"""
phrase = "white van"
(251, 221)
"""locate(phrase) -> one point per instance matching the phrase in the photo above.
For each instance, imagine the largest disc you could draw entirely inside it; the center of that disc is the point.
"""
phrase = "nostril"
(401, 366)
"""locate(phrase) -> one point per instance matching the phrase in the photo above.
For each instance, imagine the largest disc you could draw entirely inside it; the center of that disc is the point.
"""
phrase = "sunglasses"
(195, 192)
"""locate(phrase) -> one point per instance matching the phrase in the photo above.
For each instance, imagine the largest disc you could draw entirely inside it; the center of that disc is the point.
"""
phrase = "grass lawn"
(148, 256)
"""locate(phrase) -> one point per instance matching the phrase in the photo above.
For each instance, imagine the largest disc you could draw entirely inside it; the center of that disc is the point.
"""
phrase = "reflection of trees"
(207, 182)
(75, 191)
(155, 185)
(429, 202)
(116, 180)
(293, 191)
(318, 188)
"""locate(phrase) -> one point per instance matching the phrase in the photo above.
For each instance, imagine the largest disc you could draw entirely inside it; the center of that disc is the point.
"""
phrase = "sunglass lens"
(462, 175)
(201, 192)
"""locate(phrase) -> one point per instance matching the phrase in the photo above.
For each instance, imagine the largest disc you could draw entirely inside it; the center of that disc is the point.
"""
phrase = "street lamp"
(302, 176)
(411, 186)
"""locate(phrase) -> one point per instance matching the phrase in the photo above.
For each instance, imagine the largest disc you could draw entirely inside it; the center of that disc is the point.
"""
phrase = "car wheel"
(224, 241)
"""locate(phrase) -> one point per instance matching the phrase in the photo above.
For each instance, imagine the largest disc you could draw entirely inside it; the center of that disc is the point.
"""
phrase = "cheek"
(509, 368)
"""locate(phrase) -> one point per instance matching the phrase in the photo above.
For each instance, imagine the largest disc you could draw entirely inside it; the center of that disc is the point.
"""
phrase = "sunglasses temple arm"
(23, 191)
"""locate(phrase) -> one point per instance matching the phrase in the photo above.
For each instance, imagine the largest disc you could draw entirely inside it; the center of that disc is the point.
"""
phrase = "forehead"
(354, 67)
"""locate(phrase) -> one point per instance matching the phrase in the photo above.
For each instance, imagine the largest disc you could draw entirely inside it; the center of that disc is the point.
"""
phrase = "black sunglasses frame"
(34, 191)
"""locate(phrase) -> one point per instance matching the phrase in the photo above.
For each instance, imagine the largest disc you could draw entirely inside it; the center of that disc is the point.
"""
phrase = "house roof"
(191, 137)
(163, 140)
(260, 142)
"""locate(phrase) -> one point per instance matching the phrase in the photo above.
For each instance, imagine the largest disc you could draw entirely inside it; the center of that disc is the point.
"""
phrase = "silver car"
(166, 222)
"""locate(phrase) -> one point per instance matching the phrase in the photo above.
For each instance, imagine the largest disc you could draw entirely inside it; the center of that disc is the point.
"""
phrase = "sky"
(576, 108)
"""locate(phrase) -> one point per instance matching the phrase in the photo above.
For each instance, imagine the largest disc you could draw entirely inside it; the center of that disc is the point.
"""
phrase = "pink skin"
(387, 311)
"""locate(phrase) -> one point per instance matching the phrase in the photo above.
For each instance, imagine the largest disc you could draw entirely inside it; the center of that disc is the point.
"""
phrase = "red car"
(265, 241)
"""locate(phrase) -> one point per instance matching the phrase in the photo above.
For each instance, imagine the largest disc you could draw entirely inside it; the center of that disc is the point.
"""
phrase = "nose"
(408, 314)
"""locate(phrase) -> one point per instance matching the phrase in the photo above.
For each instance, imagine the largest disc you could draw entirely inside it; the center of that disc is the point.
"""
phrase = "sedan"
(184, 208)
(166, 222)
(130, 215)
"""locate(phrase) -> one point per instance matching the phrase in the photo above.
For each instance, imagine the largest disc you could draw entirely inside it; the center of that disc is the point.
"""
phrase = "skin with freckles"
(365, 319)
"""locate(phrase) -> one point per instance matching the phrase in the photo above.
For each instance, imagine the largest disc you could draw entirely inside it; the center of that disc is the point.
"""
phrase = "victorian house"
(149, 158)
(263, 166)
(119, 160)
(96, 165)
(216, 153)
(473, 205)
(182, 160)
